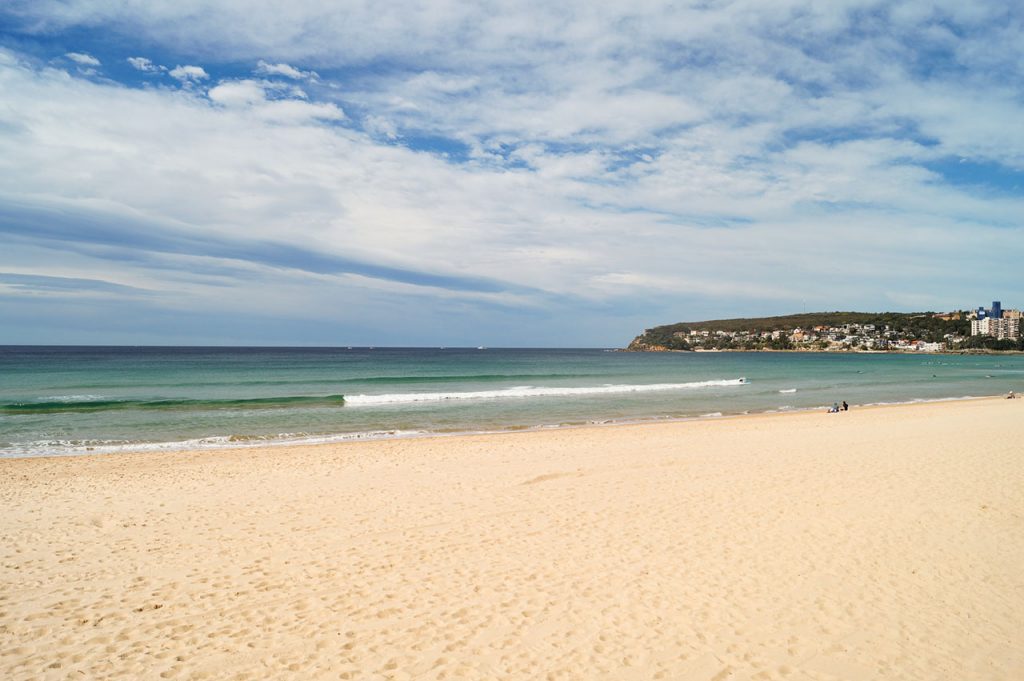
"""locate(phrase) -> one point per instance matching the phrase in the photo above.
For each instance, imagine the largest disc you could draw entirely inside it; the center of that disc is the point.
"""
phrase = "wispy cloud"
(15, 283)
(83, 59)
(145, 65)
(265, 69)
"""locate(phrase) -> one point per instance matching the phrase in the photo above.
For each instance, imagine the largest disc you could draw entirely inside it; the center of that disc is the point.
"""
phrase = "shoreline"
(230, 443)
(881, 543)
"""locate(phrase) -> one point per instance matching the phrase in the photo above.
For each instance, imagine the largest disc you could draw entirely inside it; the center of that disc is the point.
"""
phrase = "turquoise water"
(67, 400)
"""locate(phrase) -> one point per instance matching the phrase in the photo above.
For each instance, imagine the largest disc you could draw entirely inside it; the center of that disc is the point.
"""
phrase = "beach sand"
(882, 543)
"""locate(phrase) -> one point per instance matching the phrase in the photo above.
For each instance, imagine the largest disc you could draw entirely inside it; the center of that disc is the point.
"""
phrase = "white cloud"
(83, 59)
(238, 93)
(189, 73)
(145, 65)
(433, 82)
(378, 125)
(287, 106)
(295, 112)
(265, 69)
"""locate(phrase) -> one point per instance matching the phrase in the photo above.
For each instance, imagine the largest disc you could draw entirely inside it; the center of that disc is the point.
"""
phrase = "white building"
(1002, 329)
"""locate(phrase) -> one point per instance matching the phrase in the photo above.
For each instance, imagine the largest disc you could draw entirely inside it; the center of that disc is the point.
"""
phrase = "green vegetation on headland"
(827, 331)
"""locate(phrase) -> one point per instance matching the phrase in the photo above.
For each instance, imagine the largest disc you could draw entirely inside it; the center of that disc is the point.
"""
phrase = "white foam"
(530, 391)
(81, 447)
(788, 390)
(71, 398)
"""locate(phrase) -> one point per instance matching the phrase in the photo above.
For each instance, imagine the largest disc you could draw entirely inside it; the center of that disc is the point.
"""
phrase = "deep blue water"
(61, 400)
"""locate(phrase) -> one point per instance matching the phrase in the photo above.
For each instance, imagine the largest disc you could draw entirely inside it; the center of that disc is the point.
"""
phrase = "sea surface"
(76, 400)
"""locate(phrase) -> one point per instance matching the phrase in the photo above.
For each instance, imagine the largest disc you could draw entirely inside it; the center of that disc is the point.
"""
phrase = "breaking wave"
(94, 403)
(531, 391)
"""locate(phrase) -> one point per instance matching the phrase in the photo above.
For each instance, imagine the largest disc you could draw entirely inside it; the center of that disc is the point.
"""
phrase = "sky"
(246, 172)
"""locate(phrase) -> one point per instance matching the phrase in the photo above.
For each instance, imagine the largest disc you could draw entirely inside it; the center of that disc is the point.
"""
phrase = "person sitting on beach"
(846, 407)
(1011, 396)
(834, 409)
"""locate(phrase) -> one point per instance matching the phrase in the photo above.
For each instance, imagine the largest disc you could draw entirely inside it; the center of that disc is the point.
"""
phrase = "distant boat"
(480, 347)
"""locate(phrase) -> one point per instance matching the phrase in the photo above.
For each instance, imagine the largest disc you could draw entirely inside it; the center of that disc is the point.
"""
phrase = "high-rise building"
(1002, 329)
(995, 312)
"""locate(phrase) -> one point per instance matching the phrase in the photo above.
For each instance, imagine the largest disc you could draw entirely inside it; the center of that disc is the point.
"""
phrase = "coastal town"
(983, 329)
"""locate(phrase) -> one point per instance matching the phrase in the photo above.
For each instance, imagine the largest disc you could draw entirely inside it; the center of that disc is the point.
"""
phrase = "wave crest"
(531, 391)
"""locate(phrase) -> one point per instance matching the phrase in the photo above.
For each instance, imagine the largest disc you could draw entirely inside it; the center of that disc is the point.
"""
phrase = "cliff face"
(640, 344)
(661, 339)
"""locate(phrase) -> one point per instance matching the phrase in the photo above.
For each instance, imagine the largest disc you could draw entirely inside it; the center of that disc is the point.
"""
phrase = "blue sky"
(501, 174)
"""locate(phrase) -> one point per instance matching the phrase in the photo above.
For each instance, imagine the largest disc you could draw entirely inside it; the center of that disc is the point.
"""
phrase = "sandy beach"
(882, 543)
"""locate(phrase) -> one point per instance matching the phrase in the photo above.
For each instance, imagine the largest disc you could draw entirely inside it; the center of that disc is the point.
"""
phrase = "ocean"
(76, 400)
